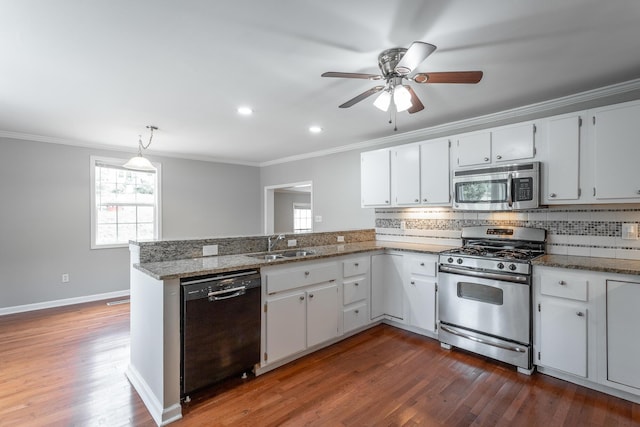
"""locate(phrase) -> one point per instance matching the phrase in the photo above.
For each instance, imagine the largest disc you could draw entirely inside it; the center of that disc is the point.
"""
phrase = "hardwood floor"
(65, 367)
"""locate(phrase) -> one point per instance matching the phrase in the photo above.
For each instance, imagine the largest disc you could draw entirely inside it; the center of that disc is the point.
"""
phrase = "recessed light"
(245, 111)
(315, 129)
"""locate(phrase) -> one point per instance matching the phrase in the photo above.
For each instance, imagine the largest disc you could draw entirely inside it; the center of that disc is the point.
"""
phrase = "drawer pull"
(355, 284)
(413, 283)
(562, 283)
(356, 264)
(580, 314)
(306, 273)
(310, 295)
(422, 264)
(357, 311)
(301, 298)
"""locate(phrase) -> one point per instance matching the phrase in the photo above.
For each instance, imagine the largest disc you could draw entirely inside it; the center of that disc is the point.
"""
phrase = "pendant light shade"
(383, 100)
(138, 162)
(402, 98)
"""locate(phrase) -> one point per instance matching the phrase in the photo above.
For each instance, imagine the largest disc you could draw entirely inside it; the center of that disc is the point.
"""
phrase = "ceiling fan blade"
(351, 75)
(362, 96)
(416, 105)
(449, 77)
(417, 52)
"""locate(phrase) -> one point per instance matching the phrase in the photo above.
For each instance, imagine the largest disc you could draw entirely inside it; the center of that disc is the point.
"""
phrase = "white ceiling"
(96, 72)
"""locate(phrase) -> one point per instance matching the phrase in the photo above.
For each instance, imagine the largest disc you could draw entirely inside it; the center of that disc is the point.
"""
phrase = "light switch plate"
(340, 239)
(318, 218)
(210, 250)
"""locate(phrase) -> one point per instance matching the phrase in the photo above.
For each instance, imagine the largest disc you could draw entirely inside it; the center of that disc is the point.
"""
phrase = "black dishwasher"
(219, 328)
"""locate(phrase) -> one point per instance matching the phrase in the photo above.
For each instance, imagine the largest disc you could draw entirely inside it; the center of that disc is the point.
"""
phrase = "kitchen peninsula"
(156, 272)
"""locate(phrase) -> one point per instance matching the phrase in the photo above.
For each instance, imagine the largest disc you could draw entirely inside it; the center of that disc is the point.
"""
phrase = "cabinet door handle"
(301, 298)
(386, 201)
(638, 192)
(562, 283)
(580, 314)
(310, 295)
(413, 283)
(422, 264)
(357, 311)
(552, 195)
(356, 264)
(486, 159)
(417, 200)
(424, 200)
(355, 284)
(306, 273)
(498, 157)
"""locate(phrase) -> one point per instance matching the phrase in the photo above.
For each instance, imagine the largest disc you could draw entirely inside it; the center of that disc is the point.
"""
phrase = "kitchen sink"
(281, 255)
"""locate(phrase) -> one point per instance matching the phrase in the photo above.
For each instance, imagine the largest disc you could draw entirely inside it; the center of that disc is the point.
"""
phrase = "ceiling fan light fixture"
(402, 98)
(383, 101)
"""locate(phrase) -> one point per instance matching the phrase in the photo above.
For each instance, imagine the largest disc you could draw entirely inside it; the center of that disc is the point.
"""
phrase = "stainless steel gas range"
(484, 293)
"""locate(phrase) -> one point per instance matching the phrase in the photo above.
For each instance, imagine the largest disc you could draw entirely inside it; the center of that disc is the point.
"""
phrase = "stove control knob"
(450, 260)
(459, 260)
(512, 267)
(500, 265)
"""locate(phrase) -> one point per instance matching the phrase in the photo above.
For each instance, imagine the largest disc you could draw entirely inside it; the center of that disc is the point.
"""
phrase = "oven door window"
(482, 191)
(482, 293)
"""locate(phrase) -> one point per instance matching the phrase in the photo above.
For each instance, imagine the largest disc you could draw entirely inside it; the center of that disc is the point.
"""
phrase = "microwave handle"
(510, 190)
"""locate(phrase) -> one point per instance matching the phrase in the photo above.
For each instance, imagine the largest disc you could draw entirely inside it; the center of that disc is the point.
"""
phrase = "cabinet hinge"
(449, 143)
(436, 287)
(265, 356)
(579, 122)
(594, 120)
(579, 192)
(535, 151)
(594, 191)
(538, 355)
(535, 129)
(538, 306)
(265, 307)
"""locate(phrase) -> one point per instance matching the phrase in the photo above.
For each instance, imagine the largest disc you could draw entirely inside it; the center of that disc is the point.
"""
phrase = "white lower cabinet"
(356, 286)
(563, 336)
(562, 317)
(420, 290)
(301, 308)
(623, 345)
(387, 297)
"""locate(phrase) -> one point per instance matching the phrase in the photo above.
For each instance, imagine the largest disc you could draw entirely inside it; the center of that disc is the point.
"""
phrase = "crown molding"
(488, 119)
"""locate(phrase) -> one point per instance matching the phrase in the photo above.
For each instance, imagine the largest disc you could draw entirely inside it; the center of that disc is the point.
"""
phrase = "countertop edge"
(601, 265)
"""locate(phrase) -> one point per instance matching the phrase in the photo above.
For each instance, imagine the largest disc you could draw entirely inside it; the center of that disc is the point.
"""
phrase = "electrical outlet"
(65, 278)
(340, 239)
(403, 225)
(630, 231)
(210, 250)
(318, 218)
(292, 242)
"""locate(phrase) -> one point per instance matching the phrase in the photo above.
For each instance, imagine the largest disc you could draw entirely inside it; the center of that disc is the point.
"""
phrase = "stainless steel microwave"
(497, 188)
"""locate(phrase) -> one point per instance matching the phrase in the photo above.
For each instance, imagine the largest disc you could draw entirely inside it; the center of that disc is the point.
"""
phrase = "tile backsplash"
(593, 230)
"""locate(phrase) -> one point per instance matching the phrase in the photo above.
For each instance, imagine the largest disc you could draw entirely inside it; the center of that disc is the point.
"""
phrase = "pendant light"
(138, 162)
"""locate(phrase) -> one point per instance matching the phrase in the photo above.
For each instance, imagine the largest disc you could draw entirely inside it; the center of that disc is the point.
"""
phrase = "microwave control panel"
(523, 189)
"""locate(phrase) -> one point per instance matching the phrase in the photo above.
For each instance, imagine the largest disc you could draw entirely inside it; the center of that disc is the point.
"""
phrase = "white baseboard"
(162, 416)
(62, 302)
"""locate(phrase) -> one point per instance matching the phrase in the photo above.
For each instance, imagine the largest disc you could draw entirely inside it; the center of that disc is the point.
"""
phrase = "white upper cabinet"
(512, 143)
(498, 145)
(474, 149)
(615, 131)
(563, 138)
(405, 175)
(375, 169)
(435, 187)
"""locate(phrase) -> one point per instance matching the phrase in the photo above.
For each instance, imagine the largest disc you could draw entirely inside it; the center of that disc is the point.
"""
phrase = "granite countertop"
(607, 265)
(164, 270)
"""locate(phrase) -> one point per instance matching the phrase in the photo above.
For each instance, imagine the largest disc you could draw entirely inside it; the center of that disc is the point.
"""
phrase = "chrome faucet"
(272, 244)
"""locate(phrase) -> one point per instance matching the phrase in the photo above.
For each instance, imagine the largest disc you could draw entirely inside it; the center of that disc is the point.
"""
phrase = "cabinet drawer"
(353, 267)
(297, 277)
(565, 286)
(423, 265)
(354, 290)
(355, 317)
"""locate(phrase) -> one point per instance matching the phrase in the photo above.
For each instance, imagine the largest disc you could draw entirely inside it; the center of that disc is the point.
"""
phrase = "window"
(301, 218)
(125, 204)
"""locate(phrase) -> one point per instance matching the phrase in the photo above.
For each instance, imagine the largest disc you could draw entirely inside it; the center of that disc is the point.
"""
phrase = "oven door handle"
(510, 190)
(481, 341)
(484, 275)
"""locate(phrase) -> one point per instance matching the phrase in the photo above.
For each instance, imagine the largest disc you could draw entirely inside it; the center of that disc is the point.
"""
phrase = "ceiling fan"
(396, 65)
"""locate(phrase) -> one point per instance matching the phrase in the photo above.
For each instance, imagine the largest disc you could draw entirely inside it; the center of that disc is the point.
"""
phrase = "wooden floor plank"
(65, 367)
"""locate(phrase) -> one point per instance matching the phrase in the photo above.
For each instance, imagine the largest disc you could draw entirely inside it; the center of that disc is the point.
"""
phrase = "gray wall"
(336, 188)
(283, 209)
(45, 218)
